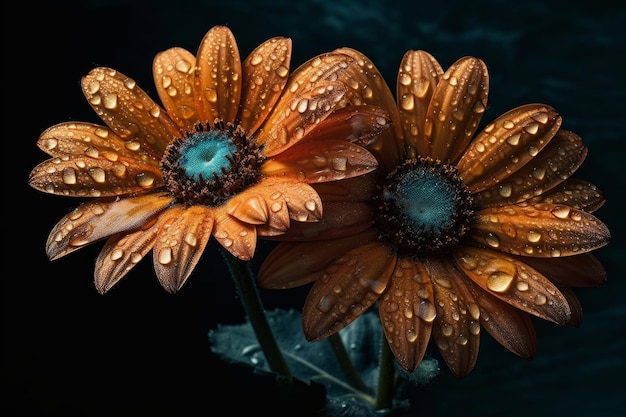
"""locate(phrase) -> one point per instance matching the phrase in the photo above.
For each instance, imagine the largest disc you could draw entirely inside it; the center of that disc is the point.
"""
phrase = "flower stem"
(386, 377)
(346, 364)
(251, 301)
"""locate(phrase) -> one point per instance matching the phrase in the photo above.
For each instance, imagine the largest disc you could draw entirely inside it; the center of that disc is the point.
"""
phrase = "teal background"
(141, 351)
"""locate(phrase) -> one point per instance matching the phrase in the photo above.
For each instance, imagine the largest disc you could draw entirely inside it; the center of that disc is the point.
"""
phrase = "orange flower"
(231, 153)
(458, 231)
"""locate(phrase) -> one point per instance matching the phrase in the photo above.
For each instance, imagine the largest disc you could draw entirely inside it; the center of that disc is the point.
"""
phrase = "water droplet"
(499, 281)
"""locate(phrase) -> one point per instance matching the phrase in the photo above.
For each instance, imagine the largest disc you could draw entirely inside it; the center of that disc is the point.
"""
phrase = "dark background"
(141, 351)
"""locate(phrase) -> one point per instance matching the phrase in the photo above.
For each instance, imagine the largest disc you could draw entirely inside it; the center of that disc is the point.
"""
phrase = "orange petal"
(418, 76)
(129, 111)
(94, 175)
(237, 237)
(218, 76)
(302, 201)
(542, 230)
(98, 219)
(121, 253)
(407, 310)
(265, 71)
(173, 73)
(456, 329)
(573, 192)
(183, 234)
(555, 163)
(514, 282)
(321, 160)
(583, 270)
(510, 327)
(507, 144)
(456, 107)
(80, 138)
(349, 286)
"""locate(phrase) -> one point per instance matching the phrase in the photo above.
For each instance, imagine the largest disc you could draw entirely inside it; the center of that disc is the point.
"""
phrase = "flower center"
(211, 164)
(423, 207)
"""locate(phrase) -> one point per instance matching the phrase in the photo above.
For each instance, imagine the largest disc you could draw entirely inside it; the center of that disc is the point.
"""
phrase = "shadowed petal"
(407, 310)
(94, 175)
(456, 107)
(456, 330)
(183, 234)
(173, 73)
(129, 111)
(265, 71)
(514, 282)
(507, 144)
(218, 76)
(555, 163)
(575, 307)
(96, 220)
(583, 270)
(418, 76)
(543, 230)
(580, 194)
(349, 286)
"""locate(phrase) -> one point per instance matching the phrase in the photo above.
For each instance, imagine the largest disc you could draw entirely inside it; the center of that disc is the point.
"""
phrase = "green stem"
(251, 301)
(346, 364)
(386, 374)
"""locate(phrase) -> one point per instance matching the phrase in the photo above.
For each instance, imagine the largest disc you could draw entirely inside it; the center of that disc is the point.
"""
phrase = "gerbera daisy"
(458, 230)
(230, 153)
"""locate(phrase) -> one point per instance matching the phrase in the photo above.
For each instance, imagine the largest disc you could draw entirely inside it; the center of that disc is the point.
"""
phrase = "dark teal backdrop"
(141, 351)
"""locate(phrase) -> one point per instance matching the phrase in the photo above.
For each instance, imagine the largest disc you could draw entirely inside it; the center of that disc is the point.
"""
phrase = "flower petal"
(173, 71)
(507, 144)
(573, 192)
(510, 327)
(237, 237)
(94, 175)
(584, 270)
(218, 76)
(322, 160)
(80, 138)
(129, 111)
(121, 253)
(407, 310)
(555, 163)
(456, 107)
(514, 282)
(418, 76)
(266, 71)
(302, 201)
(542, 230)
(456, 330)
(350, 285)
(98, 219)
(183, 234)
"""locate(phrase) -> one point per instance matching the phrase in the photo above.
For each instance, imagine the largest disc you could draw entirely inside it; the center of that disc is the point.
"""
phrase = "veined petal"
(555, 163)
(584, 270)
(507, 144)
(575, 307)
(181, 239)
(573, 192)
(456, 330)
(81, 138)
(407, 311)
(173, 71)
(218, 76)
(514, 282)
(322, 160)
(292, 264)
(359, 188)
(98, 219)
(302, 201)
(94, 175)
(456, 107)
(265, 71)
(510, 327)
(350, 285)
(121, 253)
(237, 237)
(541, 230)
(418, 76)
(129, 111)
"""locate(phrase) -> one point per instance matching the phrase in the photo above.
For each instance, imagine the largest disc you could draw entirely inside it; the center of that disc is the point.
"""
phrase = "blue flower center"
(207, 154)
